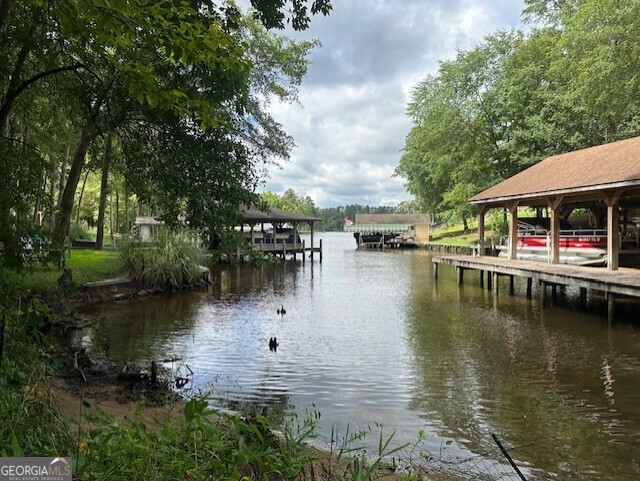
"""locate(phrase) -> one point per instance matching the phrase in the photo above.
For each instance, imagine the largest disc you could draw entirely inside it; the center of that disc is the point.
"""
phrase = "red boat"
(577, 246)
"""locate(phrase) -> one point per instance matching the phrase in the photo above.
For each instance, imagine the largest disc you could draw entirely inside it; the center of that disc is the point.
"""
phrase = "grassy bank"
(86, 266)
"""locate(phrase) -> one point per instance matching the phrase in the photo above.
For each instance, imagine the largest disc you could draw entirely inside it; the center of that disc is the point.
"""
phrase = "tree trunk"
(66, 202)
(61, 185)
(37, 218)
(84, 185)
(111, 219)
(126, 208)
(104, 187)
(117, 224)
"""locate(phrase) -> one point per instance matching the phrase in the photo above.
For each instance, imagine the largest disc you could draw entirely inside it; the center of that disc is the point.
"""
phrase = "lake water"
(370, 338)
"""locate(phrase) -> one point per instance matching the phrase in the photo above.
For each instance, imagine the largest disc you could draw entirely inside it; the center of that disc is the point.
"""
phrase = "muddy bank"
(101, 378)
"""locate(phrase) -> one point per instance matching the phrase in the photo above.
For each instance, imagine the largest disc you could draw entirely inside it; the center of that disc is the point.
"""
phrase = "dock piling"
(611, 306)
(558, 276)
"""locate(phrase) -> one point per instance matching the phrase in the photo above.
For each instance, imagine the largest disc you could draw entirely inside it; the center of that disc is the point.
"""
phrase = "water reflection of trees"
(137, 331)
(246, 279)
(536, 377)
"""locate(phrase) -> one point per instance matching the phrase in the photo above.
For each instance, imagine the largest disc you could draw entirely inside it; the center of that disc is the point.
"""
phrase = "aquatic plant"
(171, 261)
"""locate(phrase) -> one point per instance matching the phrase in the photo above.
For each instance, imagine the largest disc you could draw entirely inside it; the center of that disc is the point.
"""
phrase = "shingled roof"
(393, 218)
(608, 166)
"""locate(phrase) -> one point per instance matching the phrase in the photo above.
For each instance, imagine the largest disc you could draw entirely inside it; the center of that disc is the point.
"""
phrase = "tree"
(602, 54)
(290, 201)
(127, 63)
(461, 139)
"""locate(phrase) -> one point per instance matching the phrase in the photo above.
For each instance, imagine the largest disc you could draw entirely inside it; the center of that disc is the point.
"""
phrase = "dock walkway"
(284, 249)
(623, 282)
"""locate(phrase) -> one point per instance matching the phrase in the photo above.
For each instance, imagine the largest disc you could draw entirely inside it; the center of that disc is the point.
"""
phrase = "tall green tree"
(125, 65)
(461, 139)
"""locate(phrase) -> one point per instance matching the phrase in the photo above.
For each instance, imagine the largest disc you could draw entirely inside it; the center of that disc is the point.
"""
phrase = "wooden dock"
(623, 282)
(284, 249)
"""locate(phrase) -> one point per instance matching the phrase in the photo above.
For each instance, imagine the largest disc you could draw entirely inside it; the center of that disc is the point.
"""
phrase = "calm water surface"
(370, 338)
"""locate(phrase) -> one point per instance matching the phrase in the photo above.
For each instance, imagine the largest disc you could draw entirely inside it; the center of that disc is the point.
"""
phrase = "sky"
(350, 123)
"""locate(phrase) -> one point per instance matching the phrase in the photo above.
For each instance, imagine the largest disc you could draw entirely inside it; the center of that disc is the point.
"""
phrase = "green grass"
(87, 265)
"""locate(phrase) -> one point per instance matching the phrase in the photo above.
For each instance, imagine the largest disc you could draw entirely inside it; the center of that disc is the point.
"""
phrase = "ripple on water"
(370, 337)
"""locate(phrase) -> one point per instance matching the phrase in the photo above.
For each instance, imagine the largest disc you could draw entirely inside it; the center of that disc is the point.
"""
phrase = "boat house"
(282, 237)
(604, 180)
(390, 230)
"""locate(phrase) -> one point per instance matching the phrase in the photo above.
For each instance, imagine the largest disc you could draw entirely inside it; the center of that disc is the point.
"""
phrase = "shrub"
(171, 261)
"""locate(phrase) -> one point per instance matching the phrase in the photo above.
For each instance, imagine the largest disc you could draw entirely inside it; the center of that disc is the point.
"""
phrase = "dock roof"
(254, 215)
(393, 218)
(605, 167)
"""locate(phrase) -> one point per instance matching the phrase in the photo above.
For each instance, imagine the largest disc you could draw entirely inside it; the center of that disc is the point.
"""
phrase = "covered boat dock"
(382, 231)
(279, 240)
(604, 180)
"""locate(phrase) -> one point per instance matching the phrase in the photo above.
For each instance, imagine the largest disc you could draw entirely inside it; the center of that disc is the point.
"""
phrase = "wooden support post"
(554, 252)
(495, 282)
(554, 291)
(611, 306)
(304, 252)
(459, 275)
(511, 285)
(613, 236)
(513, 229)
(320, 251)
(311, 224)
(481, 213)
(529, 287)
(489, 280)
(583, 298)
(543, 292)
(613, 247)
(481, 279)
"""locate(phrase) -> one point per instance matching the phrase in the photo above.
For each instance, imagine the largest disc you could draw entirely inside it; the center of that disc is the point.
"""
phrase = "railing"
(377, 228)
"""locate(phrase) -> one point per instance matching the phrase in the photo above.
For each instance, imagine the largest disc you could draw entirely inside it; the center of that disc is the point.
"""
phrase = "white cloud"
(351, 124)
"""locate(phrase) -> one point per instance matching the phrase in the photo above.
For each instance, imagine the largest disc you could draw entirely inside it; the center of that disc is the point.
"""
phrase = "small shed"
(147, 227)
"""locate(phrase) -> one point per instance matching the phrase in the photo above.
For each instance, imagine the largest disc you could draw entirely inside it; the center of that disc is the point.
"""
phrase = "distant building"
(147, 227)
(390, 228)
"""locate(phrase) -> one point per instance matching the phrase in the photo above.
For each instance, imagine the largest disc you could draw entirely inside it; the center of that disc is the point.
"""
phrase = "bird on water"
(273, 344)
(281, 311)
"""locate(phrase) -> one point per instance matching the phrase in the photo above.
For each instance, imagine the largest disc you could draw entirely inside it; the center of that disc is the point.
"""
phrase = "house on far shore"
(146, 227)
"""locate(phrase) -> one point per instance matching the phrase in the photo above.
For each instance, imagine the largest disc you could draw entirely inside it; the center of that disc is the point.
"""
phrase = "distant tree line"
(570, 82)
(333, 218)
